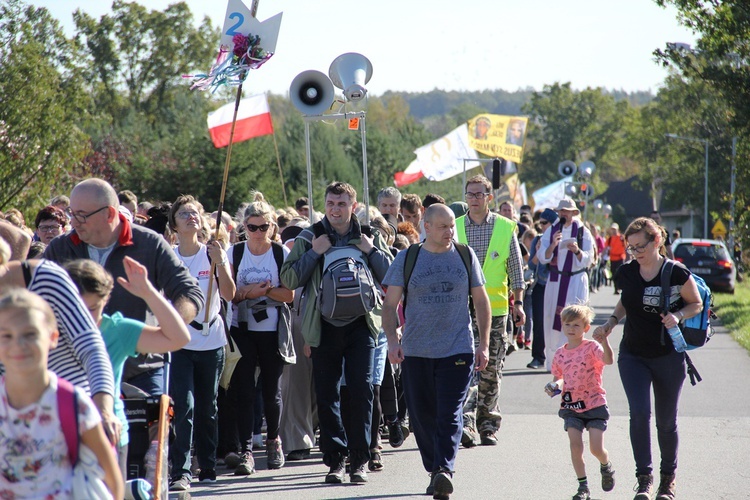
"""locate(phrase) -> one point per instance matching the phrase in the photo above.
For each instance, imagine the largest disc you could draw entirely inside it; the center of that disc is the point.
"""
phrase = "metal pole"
(731, 196)
(705, 196)
(366, 191)
(309, 174)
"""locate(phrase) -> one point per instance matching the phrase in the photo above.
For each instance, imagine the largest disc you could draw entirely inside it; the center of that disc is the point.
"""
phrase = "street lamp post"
(705, 178)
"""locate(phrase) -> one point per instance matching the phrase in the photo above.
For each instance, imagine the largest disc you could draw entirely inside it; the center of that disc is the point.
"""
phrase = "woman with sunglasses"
(259, 303)
(197, 366)
(647, 357)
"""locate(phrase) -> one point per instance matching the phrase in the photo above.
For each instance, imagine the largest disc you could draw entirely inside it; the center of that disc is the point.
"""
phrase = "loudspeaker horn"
(311, 92)
(350, 72)
(567, 168)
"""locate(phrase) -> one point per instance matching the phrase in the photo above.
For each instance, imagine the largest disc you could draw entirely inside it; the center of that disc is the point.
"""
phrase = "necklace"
(184, 258)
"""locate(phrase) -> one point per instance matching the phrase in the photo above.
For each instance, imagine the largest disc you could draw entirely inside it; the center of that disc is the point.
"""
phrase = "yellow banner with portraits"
(498, 135)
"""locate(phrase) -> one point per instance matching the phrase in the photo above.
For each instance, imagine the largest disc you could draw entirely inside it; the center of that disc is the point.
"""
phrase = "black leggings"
(257, 349)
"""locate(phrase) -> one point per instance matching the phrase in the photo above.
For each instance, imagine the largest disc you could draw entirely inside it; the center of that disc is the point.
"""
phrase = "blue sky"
(419, 45)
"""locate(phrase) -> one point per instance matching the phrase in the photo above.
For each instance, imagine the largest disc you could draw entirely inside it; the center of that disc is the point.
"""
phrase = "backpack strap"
(237, 251)
(278, 254)
(695, 377)
(67, 410)
(26, 268)
(411, 259)
(666, 286)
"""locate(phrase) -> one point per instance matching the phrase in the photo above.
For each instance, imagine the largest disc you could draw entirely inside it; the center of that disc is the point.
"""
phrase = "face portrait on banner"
(498, 135)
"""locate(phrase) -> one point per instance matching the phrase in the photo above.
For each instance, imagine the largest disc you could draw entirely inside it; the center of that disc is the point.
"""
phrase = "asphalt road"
(532, 458)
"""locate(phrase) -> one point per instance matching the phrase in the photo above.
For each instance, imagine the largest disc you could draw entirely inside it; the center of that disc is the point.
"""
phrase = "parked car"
(710, 260)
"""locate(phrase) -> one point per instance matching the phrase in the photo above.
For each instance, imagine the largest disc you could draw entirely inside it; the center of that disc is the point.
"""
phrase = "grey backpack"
(347, 289)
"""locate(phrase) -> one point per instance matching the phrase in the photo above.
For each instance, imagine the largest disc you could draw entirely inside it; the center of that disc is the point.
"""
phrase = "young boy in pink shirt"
(577, 375)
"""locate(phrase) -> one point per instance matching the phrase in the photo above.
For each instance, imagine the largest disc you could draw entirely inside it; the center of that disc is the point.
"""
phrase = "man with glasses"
(493, 239)
(102, 234)
(344, 340)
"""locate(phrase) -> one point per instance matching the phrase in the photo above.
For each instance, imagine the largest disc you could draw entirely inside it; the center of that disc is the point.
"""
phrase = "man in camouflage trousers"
(493, 239)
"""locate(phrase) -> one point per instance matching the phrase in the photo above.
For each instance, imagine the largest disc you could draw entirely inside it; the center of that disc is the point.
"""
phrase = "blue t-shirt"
(121, 338)
(438, 324)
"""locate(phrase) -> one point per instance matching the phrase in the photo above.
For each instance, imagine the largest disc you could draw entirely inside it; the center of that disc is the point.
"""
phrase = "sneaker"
(643, 487)
(358, 475)
(247, 464)
(336, 473)
(667, 488)
(488, 438)
(257, 441)
(396, 434)
(608, 477)
(207, 476)
(232, 460)
(582, 494)
(442, 484)
(298, 455)
(431, 487)
(535, 364)
(469, 436)
(181, 483)
(274, 454)
(511, 348)
(376, 461)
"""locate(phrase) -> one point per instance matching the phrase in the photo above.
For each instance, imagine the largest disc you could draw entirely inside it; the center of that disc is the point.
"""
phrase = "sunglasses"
(252, 227)
(544, 222)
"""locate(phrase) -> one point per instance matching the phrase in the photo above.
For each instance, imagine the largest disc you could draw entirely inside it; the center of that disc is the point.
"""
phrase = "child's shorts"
(594, 418)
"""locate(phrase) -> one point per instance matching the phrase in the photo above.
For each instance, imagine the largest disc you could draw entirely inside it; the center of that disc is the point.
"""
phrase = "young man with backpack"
(336, 339)
(436, 351)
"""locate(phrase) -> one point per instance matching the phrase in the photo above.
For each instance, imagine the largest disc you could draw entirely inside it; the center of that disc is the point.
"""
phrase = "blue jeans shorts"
(594, 418)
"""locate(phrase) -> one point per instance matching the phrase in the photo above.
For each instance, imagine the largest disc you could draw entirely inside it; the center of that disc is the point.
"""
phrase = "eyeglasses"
(49, 229)
(81, 218)
(252, 227)
(478, 196)
(188, 215)
(637, 248)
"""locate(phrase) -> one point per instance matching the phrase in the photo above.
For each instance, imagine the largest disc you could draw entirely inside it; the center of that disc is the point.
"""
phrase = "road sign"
(719, 230)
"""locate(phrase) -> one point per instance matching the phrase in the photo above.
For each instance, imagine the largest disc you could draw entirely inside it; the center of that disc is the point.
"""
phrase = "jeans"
(257, 349)
(666, 374)
(354, 344)
(194, 388)
(435, 390)
(151, 381)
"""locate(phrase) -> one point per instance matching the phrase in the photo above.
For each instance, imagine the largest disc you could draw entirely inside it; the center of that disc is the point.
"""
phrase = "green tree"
(569, 125)
(39, 141)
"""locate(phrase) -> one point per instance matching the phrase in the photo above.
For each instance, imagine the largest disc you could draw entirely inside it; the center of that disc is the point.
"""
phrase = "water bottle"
(552, 389)
(677, 339)
(149, 462)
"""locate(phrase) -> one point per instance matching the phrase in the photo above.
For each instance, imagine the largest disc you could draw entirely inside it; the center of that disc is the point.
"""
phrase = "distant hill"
(436, 102)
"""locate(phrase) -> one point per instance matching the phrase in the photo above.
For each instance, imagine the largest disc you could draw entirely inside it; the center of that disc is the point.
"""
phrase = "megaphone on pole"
(350, 72)
(567, 168)
(311, 92)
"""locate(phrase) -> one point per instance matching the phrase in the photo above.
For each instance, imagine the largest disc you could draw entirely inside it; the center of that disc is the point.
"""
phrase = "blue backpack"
(696, 330)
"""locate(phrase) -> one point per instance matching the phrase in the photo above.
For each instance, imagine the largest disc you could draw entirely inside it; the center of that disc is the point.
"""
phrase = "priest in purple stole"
(568, 248)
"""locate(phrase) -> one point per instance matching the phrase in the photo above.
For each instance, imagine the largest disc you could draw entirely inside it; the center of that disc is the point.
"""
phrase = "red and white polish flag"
(253, 120)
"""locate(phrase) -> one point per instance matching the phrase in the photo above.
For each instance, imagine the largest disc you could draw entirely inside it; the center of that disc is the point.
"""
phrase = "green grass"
(734, 312)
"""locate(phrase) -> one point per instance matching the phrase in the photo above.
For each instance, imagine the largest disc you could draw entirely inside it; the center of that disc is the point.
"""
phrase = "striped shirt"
(478, 237)
(80, 356)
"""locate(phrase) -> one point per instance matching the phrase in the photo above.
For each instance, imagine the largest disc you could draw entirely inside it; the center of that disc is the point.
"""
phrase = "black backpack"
(347, 288)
